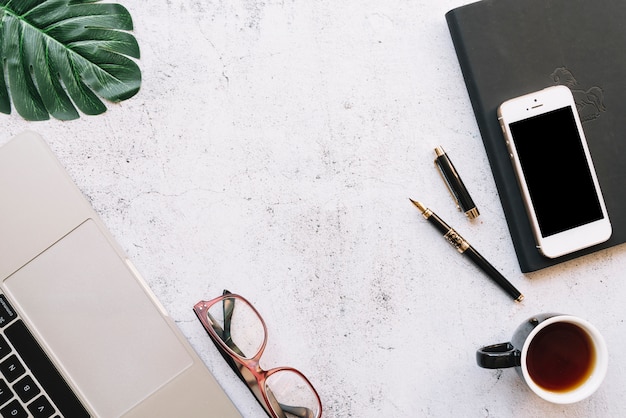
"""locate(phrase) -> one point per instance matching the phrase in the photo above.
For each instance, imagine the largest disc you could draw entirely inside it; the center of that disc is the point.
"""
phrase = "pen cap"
(454, 184)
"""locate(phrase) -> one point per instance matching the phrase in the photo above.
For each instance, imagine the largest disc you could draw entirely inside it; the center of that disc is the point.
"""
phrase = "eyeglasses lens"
(292, 395)
(239, 326)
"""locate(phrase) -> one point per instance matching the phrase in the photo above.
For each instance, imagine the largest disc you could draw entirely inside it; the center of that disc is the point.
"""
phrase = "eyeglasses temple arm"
(229, 360)
(228, 306)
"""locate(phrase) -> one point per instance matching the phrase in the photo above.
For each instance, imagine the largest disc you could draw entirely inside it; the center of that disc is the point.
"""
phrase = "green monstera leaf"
(59, 55)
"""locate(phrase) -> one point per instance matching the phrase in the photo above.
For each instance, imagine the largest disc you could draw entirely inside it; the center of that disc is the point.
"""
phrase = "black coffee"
(560, 357)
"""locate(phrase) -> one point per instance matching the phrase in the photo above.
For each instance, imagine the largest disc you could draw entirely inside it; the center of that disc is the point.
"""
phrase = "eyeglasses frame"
(248, 368)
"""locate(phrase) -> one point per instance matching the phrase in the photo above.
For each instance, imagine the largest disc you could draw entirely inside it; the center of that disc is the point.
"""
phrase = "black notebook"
(507, 48)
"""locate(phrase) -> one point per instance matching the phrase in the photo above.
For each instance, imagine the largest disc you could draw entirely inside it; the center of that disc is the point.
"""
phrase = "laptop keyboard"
(30, 385)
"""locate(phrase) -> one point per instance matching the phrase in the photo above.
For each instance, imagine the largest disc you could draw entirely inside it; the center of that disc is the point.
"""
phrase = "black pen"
(465, 248)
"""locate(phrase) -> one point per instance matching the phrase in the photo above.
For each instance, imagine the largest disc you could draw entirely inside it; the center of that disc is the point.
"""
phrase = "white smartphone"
(555, 172)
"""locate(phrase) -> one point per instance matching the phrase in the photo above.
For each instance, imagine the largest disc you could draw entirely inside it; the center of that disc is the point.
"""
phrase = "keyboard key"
(44, 371)
(11, 368)
(7, 314)
(5, 348)
(41, 408)
(5, 392)
(13, 410)
(26, 388)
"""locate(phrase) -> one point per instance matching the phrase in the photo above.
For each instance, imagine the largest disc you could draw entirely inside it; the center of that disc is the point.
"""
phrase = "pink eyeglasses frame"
(248, 368)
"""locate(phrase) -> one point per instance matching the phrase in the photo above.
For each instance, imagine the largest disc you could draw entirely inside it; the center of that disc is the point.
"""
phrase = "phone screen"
(557, 174)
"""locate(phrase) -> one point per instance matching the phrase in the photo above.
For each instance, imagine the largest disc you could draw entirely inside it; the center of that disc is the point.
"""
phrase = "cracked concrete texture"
(272, 150)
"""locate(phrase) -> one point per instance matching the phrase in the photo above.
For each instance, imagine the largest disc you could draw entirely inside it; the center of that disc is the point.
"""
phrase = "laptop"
(81, 334)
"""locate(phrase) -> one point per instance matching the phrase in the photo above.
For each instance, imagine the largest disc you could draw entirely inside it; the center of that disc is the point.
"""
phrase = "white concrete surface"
(272, 150)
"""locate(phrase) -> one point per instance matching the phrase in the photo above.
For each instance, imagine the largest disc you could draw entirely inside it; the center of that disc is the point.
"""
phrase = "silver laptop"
(80, 332)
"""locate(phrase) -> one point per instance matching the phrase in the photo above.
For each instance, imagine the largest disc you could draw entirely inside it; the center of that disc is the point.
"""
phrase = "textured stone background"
(271, 151)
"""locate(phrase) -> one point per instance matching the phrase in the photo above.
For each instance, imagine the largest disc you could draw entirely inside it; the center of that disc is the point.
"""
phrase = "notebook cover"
(508, 48)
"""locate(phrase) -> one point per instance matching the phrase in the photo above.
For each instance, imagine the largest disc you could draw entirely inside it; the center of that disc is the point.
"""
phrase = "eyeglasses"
(240, 335)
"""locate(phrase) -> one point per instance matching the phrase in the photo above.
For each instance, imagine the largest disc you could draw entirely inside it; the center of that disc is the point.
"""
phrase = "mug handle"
(498, 356)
